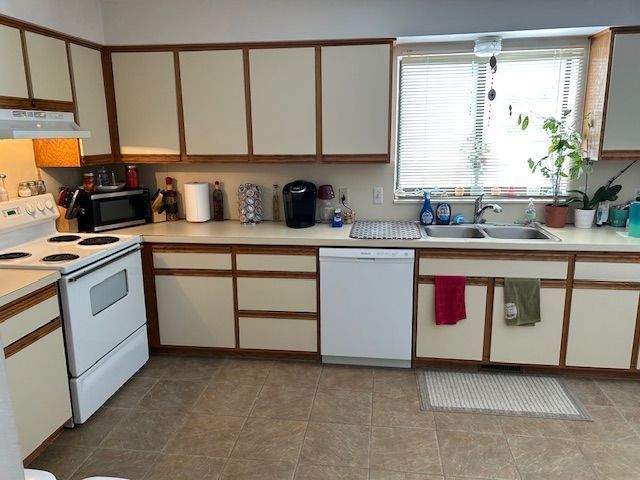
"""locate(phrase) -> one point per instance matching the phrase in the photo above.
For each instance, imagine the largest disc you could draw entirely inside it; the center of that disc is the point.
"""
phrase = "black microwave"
(108, 211)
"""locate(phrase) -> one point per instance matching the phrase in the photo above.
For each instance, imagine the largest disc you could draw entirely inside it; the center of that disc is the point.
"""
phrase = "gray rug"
(498, 394)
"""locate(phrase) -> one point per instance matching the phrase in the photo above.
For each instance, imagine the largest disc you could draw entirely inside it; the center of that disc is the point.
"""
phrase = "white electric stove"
(101, 296)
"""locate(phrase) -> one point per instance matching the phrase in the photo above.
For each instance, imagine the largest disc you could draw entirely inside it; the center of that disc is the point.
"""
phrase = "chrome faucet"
(479, 209)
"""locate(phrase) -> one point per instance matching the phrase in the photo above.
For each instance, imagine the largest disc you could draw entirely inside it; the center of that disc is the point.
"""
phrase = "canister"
(634, 219)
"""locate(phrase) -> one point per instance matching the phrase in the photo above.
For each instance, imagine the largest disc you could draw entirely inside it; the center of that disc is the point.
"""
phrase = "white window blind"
(446, 124)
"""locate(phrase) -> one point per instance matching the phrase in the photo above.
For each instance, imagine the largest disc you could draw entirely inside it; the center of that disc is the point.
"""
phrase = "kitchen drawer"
(291, 334)
(276, 263)
(39, 390)
(462, 341)
(277, 294)
(537, 344)
(613, 272)
(28, 320)
(495, 268)
(198, 261)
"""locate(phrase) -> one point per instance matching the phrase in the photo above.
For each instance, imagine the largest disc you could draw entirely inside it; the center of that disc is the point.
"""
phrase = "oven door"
(120, 209)
(102, 305)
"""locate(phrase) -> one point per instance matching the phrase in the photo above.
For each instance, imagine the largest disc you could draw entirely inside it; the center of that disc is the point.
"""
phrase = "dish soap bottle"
(529, 213)
(218, 207)
(4, 194)
(426, 214)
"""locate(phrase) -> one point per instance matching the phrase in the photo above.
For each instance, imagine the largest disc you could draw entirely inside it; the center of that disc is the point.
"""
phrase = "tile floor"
(187, 418)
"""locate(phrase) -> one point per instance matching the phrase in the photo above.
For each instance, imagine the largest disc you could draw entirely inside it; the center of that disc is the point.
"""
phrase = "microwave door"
(119, 211)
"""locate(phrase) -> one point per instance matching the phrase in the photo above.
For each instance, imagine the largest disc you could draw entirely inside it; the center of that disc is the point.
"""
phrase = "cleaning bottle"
(529, 213)
(426, 214)
(218, 208)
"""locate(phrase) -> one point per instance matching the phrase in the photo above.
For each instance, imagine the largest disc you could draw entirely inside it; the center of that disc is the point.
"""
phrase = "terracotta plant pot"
(555, 217)
(583, 218)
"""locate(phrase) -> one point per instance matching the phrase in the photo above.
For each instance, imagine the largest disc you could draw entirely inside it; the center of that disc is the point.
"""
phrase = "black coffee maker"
(299, 199)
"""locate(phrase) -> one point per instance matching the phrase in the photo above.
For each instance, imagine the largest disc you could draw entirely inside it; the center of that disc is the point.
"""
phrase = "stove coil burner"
(14, 255)
(60, 257)
(98, 241)
(65, 238)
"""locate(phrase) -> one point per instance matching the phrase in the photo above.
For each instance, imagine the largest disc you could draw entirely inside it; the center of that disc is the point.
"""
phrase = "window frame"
(454, 47)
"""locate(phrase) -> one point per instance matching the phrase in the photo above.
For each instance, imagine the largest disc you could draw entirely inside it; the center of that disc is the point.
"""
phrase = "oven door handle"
(111, 260)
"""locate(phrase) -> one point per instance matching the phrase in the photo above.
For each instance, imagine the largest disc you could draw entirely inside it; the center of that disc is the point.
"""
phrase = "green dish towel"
(521, 301)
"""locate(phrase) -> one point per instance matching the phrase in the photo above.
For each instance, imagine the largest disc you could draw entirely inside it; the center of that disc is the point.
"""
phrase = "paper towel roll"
(197, 204)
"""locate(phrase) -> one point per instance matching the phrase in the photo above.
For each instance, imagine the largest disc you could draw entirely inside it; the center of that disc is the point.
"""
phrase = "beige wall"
(17, 163)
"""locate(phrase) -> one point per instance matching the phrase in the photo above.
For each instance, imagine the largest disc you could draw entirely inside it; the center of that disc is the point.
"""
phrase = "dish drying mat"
(385, 230)
(497, 394)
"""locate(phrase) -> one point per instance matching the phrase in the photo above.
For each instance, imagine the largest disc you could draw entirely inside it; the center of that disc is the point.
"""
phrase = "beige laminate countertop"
(18, 283)
(603, 239)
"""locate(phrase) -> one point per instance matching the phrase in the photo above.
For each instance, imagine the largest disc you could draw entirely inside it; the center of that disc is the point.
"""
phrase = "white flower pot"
(584, 218)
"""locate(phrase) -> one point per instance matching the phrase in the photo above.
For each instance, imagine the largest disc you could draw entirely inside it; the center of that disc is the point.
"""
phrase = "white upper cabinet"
(213, 102)
(622, 131)
(91, 104)
(146, 104)
(13, 80)
(283, 106)
(49, 68)
(355, 99)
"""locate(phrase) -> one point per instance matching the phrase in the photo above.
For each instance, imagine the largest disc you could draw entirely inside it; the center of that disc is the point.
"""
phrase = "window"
(450, 135)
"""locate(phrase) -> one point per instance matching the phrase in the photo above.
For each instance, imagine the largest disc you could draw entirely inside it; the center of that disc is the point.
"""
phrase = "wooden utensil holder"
(68, 225)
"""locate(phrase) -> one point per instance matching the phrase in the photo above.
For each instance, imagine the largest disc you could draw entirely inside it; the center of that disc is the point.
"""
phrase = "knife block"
(67, 225)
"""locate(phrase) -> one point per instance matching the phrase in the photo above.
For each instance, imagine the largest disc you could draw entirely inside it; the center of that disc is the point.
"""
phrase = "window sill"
(471, 200)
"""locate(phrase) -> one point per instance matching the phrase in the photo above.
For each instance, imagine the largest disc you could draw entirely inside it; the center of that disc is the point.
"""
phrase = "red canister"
(132, 178)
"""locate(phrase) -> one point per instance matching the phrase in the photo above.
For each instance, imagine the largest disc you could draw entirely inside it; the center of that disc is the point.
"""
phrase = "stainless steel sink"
(454, 231)
(518, 233)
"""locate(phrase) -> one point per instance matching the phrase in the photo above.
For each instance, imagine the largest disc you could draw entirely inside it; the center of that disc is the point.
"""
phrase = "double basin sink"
(480, 231)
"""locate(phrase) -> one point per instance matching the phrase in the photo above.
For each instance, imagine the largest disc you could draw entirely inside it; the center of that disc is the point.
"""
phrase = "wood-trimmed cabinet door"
(283, 101)
(537, 344)
(602, 326)
(13, 78)
(195, 311)
(91, 103)
(213, 101)
(462, 341)
(355, 101)
(146, 105)
(49, 68)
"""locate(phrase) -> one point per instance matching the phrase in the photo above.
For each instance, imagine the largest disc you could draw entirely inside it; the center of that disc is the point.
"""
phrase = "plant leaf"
(525, 122)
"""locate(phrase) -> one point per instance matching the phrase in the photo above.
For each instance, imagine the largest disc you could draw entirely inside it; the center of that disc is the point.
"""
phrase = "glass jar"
(40, 187)
(24, 190)
(89, 182)
(326, 210)
(32, 186)
(132, 178)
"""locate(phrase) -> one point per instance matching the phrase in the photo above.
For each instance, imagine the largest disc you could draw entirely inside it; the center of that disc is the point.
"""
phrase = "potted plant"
(564, 159)
(584, 216)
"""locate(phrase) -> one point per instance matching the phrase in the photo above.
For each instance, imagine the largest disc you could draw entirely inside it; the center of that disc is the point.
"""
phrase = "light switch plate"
(378, 195)
(636, 193)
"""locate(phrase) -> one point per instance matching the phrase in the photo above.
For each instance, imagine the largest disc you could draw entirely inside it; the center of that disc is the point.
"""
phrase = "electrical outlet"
(636, 193)
(378, 195)
(343, 195)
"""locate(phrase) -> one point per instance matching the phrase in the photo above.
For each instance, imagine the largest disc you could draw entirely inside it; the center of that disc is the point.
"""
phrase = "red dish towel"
(449, 301)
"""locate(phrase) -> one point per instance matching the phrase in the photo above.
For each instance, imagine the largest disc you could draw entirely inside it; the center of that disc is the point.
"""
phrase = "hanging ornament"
(493, 63)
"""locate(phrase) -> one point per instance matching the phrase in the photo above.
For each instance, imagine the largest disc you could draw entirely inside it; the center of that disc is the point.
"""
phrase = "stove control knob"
(29, 208)
(49, 204)
(40, 206)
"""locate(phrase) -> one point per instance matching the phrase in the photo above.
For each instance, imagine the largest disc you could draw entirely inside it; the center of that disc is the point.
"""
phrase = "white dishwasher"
(366, 306)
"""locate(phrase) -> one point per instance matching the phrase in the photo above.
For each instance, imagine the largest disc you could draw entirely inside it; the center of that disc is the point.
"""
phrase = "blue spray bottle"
(426, 214)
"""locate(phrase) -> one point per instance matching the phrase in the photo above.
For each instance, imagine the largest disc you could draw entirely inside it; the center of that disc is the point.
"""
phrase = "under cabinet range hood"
(20, 124)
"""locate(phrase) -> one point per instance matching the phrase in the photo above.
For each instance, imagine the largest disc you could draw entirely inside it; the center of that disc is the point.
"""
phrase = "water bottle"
(530, 213)
(426, 214)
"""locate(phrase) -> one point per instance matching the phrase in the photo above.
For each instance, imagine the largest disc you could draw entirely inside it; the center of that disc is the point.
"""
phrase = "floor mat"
(498, 394)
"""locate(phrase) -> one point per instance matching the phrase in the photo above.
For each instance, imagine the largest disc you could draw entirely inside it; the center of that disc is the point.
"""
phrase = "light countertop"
(18, 283)
(603, 239)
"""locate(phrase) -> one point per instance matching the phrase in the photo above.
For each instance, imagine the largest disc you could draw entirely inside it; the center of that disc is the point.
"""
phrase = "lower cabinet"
(602, 326)
(36, 366)
(277, 294)
(462, 341)
(537, 344)
(195, 311)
